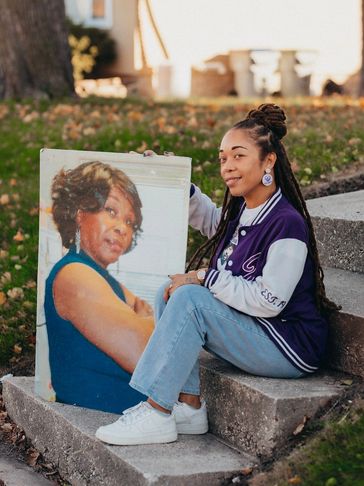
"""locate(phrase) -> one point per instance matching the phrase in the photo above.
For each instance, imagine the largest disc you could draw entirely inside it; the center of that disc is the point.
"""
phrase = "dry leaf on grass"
(19, 236)
(4, 199)
(301, 426)
(2, 298)
(16, 293)
(17, 349)
(295, 480)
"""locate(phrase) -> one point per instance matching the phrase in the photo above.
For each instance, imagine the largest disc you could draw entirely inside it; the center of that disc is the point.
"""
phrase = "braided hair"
(266, 126)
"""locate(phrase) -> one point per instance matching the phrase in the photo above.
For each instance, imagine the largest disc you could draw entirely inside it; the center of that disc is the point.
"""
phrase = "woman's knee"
(189, 296)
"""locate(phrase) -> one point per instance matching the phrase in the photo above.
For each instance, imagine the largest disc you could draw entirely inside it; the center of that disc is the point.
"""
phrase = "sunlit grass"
(324, 137)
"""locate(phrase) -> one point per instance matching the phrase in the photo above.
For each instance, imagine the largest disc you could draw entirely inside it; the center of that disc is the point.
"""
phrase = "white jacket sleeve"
(203, 213)
(268, 294)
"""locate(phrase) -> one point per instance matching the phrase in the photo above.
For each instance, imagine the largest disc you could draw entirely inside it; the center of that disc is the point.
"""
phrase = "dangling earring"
(78, 240)
(267, 179)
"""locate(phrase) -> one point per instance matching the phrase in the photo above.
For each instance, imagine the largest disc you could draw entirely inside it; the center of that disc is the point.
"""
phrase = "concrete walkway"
(17, 473)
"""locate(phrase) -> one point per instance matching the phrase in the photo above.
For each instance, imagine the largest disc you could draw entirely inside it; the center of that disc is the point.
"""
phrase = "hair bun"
(272, 117)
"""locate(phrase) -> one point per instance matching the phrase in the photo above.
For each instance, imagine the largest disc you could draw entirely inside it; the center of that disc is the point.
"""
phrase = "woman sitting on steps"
(260, 304)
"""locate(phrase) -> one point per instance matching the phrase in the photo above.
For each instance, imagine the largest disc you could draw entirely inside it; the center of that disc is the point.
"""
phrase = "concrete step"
(16, 473)
(259, 415)
(65, 435)
(339, 226)
(346, 338)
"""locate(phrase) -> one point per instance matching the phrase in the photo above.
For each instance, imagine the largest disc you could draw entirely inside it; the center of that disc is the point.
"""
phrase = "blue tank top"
(81, 373)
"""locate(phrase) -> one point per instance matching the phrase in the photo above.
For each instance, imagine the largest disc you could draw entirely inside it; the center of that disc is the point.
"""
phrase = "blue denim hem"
(155, 399)
(191, 392)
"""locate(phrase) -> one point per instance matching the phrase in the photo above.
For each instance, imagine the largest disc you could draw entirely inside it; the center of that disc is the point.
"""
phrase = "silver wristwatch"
(201, 275)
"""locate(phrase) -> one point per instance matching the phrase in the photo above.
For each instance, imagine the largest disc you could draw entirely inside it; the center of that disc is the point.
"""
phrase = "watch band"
(201, 275)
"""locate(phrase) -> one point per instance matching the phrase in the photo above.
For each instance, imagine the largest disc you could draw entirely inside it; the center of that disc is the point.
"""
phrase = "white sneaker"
(141, 424)
(190, 420)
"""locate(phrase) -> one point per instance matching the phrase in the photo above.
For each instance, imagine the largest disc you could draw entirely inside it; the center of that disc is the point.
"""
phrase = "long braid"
(266, 126)
(208, 248)
(291, 190)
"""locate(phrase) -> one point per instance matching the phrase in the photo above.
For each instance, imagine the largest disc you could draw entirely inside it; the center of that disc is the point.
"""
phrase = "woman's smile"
(232, 181)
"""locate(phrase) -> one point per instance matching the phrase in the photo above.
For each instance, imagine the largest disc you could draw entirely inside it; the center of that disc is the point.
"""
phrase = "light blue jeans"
(193, 318)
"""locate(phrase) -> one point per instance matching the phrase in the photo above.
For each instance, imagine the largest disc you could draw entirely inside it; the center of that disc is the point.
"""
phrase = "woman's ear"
(270, 160)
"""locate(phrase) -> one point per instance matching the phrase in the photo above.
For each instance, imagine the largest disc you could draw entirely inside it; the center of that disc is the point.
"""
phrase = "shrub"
(101, 48)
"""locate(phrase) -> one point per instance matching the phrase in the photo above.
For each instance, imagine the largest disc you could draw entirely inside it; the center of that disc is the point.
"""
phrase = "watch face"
(201, 274)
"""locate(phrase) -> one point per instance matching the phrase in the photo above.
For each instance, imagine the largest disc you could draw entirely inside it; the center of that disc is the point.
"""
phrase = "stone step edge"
(67, 437)
(345, 288)
(260, 414)
(339, 227)
(346, 331)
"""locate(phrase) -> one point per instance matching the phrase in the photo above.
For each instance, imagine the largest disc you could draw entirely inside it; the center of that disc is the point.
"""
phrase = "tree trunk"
(35, 58)
(361, 77)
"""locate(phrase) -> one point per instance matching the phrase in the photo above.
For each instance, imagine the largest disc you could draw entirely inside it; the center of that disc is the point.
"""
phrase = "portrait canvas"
(162, 184)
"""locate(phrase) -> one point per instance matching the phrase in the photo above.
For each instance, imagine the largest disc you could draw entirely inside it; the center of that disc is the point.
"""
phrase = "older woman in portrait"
(97, 328)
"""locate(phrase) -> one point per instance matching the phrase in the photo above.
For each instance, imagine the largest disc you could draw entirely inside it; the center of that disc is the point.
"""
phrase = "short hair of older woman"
(87, 188)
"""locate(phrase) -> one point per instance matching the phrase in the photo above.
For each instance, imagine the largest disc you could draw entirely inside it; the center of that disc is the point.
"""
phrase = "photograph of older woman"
(97, 329)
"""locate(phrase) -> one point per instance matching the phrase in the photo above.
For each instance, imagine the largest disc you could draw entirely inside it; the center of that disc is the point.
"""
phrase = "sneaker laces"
(130, 414)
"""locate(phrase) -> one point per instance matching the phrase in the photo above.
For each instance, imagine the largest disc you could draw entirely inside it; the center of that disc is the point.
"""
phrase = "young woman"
(97, 329)
(261, 302)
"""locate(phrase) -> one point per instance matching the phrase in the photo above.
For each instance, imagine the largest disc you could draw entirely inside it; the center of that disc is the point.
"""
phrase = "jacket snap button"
(230, 263)
(243, 232)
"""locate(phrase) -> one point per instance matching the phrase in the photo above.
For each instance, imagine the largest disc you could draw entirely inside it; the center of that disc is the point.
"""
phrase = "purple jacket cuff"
(211, 277)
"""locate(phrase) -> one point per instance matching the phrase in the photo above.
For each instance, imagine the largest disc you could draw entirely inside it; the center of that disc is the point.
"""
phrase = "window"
(98, 9)
(99, 14)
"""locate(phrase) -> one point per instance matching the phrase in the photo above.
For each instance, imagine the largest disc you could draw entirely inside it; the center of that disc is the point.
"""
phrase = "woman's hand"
(142, 308)
(150, 153)
(180, 279)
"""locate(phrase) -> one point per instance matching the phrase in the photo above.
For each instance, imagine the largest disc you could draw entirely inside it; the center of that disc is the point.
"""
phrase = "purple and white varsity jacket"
(269, 275)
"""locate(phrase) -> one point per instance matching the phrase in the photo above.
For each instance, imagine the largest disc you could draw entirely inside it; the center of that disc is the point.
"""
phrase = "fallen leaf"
(89, 131)
(301, 426)
(32, 457)
(295, 480)
(3, 416)
(6, 428)
(33, 211)
(34, 115)
(354, 141)
(135, 116)
(5, 278)
(31, 284)
(17, 349)
(246, 471)
(142, 147)
(28, 305)
(19, 236)
(347, 382)
(16, 293)
(4, 199)
(2, 298)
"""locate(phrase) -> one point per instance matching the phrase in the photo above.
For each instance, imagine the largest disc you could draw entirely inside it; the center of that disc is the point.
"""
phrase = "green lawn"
(323, 138)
